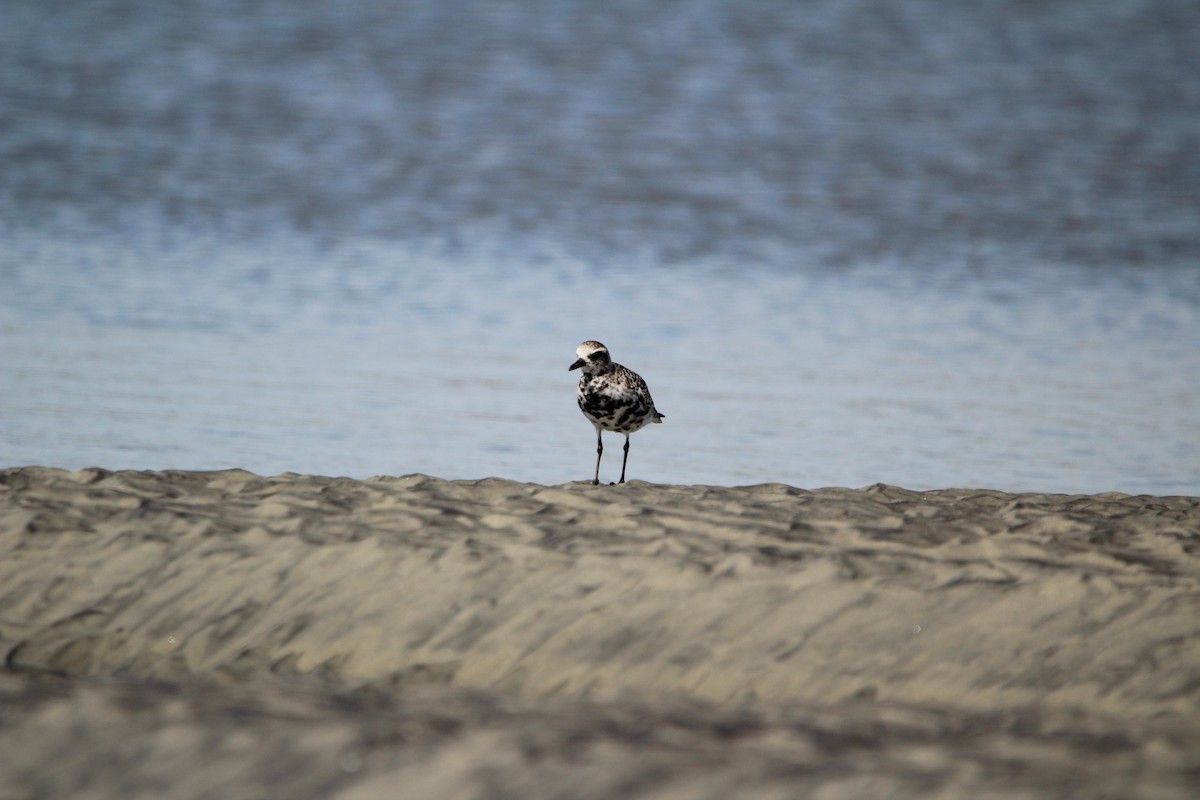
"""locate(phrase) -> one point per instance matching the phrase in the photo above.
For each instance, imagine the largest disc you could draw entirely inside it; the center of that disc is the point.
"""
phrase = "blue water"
(844, 242)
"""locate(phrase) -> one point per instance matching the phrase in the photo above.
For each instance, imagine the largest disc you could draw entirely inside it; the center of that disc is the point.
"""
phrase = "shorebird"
(612, 397)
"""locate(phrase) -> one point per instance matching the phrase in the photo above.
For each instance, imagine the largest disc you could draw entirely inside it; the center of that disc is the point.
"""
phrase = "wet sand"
(186, 634)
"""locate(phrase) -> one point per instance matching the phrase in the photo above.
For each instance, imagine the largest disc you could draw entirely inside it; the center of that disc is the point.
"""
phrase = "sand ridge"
(962, 606)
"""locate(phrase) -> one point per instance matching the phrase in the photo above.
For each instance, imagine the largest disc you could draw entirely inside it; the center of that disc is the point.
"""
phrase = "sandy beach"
(221, 634)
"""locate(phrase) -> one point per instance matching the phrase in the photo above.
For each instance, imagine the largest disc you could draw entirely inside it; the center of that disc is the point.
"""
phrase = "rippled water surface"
(845, 242)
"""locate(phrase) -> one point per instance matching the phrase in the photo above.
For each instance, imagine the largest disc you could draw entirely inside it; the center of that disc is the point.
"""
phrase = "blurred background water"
(845, 241)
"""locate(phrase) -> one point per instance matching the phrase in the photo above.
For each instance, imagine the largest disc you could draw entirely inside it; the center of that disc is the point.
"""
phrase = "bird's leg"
(623, 460)
(599, 452)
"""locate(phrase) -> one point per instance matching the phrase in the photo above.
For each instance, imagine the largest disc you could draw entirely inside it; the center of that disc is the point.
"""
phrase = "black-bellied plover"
(612, 397)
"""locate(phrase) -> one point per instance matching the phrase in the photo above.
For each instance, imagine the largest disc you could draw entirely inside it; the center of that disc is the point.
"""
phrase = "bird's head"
(593, 358)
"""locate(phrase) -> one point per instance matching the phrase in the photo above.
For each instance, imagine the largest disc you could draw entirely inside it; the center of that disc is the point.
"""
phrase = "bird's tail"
(659, 417)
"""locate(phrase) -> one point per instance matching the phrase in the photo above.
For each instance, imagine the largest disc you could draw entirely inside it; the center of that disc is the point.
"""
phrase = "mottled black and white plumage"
(612, 397)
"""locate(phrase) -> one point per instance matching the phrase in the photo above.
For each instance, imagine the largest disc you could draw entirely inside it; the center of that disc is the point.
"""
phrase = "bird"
(612, 397)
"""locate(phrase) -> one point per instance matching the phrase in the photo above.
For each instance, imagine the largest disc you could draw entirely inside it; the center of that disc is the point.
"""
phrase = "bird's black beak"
(578, 363)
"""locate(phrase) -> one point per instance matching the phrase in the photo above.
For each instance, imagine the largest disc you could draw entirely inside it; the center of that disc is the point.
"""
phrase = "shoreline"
(877, 609)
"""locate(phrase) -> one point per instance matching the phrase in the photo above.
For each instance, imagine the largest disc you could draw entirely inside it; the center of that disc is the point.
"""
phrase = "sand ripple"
(437, 632)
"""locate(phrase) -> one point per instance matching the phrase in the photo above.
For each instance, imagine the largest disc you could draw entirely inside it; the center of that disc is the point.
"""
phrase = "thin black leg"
(626, 458)
(599, 452)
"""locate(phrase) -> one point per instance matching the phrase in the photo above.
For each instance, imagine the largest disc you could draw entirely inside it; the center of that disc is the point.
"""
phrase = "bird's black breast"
(612, 406)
